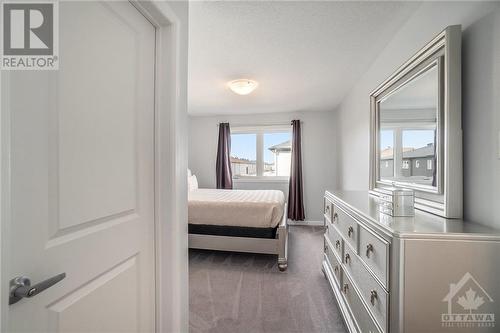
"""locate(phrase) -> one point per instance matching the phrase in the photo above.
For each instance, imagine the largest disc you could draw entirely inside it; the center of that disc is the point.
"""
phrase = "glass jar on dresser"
(409, 274)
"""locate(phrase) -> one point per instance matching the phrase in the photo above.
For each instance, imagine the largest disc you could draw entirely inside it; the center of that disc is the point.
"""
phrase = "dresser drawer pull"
(335, 217)
(373, 296)
(336, 269)
(350, 231)
(326, 248)
(337, 244)
(369, 248)
(346, 288)
(347, 258)
(327, 209)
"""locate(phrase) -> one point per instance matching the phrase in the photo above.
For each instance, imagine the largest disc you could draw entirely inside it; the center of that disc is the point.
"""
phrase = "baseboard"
(310, 223)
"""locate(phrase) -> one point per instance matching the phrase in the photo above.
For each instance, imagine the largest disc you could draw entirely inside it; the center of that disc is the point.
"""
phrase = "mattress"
(238, 208)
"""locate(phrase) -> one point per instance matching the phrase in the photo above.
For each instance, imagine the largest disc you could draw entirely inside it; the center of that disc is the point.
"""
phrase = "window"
(406, 164)
(429, 164)
(277, 154)
(261, 151)
(417, 164)
(243, 155)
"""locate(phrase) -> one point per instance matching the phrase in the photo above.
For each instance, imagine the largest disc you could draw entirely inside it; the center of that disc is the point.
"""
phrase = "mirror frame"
(444, 51)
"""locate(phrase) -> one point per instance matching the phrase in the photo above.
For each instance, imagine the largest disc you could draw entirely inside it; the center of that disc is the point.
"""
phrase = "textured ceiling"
(305, 55)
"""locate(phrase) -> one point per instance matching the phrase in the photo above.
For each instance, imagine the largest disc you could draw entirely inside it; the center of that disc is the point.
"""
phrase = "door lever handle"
(20, 287)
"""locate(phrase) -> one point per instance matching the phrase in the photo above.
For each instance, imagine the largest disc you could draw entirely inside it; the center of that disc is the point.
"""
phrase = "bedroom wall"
(481, 101)
(318, 153)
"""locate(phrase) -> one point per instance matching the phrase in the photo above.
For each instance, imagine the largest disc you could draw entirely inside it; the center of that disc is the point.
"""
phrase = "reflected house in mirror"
(416, 132)
(417, 164)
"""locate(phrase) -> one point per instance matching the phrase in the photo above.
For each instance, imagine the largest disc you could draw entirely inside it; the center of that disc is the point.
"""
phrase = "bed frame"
(278, 245)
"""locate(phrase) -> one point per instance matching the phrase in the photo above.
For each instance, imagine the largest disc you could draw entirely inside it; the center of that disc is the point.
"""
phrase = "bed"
(253, 221)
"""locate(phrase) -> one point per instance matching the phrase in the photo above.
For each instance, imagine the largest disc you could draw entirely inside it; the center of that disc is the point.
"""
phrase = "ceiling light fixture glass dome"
(243, 86)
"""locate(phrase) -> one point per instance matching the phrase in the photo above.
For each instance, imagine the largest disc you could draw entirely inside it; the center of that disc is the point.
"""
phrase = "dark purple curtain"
(223, 165)
(295, 189)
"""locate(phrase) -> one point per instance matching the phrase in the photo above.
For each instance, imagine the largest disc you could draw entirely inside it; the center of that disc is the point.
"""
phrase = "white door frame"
(171, 249)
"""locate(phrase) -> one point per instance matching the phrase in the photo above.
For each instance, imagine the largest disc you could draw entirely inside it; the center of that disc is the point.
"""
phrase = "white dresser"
(409, 274)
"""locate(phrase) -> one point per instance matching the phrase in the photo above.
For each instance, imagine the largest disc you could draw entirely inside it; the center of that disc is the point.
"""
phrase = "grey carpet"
(237, 292)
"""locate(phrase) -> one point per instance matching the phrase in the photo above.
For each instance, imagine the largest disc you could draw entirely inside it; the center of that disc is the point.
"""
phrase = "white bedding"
(242, 208)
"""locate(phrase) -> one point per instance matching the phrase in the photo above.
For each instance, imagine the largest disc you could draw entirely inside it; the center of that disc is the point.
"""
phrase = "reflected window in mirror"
(408, 131)
(386, 153)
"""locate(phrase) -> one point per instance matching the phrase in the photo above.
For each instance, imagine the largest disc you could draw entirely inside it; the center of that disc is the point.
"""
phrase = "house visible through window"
(261, 151)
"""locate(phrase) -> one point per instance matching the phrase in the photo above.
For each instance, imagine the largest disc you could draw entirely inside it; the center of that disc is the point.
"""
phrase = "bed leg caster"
(282, 266)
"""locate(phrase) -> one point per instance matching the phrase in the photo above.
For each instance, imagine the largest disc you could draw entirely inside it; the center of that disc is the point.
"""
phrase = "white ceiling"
(305, 55)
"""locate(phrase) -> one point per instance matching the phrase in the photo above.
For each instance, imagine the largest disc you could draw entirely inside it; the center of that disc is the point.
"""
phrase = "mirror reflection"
(408, 131)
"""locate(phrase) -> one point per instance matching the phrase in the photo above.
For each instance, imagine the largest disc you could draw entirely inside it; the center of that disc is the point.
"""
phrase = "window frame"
(259, 132)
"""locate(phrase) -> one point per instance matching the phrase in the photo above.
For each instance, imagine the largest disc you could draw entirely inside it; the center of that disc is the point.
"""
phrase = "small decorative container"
(397, 202)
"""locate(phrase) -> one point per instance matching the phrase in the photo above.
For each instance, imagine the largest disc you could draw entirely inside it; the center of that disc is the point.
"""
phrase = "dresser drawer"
(348, 227)
(328, 209)
(333, 262)
(362, 317)
(374, 295)
(374, 251)
(335, 238)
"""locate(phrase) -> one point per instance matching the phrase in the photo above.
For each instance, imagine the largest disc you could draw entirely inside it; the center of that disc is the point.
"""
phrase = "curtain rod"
(258, 125)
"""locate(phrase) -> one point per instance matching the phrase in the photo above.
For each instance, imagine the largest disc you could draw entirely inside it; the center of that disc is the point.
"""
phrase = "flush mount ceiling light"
(243, 86)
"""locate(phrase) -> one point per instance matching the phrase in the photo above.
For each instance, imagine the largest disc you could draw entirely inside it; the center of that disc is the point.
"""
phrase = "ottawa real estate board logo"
(30, 38)
(469, 305)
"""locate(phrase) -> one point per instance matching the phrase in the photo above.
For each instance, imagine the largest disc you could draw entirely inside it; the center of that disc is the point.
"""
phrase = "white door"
(81, 177)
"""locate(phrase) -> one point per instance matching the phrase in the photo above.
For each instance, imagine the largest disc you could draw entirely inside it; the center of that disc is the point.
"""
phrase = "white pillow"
(195, 182)
(192, 183)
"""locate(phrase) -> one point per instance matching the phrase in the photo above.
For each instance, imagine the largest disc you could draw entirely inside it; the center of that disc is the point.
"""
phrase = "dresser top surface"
(422, 224)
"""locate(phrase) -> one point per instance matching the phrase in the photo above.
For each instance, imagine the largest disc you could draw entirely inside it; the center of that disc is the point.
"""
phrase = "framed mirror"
(416, 132)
